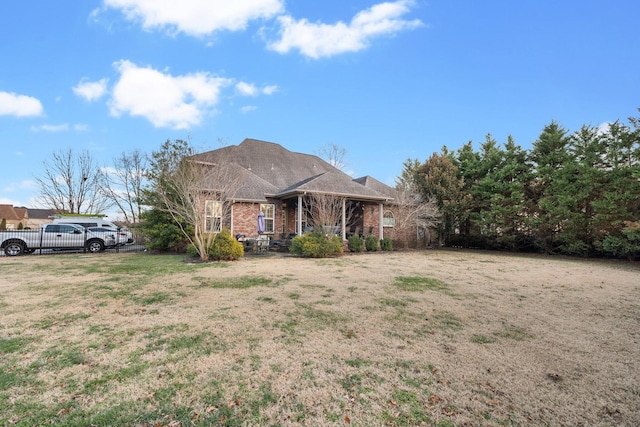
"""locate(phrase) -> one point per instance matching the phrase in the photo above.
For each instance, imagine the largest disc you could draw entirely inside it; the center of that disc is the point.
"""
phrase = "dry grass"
(416, 338)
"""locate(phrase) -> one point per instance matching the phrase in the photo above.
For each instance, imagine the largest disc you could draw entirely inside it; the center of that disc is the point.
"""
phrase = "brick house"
(13, 218)
(282, 184)
(28, 218)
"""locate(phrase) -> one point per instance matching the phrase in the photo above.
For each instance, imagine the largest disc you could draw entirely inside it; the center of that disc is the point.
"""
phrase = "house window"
(388, 220)
(269, 212)
(213, 216)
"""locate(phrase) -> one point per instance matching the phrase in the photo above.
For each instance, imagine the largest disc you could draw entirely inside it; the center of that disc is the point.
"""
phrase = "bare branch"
(123, 184)
(184, 186)
(411, 210)
(71, 183)
(325, 210)
(334, 155)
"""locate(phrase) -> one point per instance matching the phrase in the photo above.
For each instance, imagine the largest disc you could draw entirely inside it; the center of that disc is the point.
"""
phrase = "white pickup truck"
(54, 236)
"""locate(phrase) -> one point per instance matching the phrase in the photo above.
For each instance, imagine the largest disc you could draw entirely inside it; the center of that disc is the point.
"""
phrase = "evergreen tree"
(470, 172)
(507, 206)
(437, 178)
(617, 211)
(549, 200)
(583, 180)
(485, 191)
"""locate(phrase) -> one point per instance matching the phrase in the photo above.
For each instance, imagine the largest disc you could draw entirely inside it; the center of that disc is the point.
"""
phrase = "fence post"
(41, 239)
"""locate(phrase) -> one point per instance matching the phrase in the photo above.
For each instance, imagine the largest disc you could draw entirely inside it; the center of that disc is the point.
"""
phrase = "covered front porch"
(336, 214)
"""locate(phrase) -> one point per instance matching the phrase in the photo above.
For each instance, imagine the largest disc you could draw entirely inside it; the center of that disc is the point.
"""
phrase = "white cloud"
(178, 102)
(246, 89)
(91, 91)
(249, 89)
(196, 17)
(19, 186)
(63, 127)
(54, 128)
(318, 40)
(270, 90)
(12, 202)
(12, 104)
(248, 108)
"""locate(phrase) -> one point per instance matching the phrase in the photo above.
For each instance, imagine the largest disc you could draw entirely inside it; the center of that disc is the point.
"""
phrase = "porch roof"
(333, 183)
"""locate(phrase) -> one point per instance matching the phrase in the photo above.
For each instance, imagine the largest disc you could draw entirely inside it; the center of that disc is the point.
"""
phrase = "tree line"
(572, 193)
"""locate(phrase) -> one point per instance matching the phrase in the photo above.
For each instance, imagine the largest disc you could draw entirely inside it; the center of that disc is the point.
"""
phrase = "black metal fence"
(57, 238)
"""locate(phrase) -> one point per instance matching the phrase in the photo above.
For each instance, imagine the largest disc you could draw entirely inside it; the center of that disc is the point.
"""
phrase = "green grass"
(407, 409)
(482, 339)
(66, 319)
(357, 363)
(154, 298)
(442, 322)
(62, 356)
(392, 302)
(243, 282)
(513, 332)
(13, 345)
(420, 284)
(7, 379)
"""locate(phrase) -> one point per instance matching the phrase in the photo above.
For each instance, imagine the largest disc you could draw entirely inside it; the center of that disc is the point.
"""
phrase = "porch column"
(344, 219)
(231, 221)
(380, 219)
(299, 216)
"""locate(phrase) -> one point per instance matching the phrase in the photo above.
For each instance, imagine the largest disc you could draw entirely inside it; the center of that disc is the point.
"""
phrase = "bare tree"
(325, 211)
(197, 194)
(71, 183)
(124, 182)
(334, 155)
(412, 211)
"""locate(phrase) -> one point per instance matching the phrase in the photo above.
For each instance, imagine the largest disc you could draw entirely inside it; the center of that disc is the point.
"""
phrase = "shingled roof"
(9, 213)
(270, 170)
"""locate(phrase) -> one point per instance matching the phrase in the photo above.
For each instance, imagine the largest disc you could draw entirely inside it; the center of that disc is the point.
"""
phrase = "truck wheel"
(14, 249)
(95, 246)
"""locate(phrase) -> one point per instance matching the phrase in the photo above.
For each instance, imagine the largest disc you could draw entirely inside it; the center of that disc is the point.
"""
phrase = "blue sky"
(387, 81)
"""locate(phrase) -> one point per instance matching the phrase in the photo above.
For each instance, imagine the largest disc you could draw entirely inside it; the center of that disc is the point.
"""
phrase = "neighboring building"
(21, 217)
(13, 218)
(37, 217)
(282, 184)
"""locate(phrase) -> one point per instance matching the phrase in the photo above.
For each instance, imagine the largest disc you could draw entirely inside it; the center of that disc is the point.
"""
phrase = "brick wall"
(402, 237)
(370, 220)
(245, 218)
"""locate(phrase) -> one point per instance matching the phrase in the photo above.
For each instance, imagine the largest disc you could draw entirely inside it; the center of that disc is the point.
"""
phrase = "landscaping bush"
(371, 243)
(225, 247)
(356, 244)
(316, 245)
(386, 244)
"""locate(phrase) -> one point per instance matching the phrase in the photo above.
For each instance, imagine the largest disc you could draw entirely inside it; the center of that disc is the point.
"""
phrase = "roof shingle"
(271, 170)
